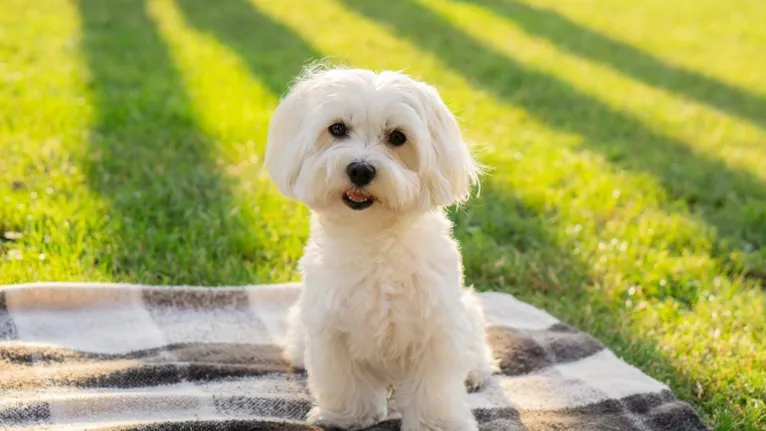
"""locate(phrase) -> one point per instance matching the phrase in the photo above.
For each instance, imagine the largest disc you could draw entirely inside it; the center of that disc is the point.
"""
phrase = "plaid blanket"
(129, 357)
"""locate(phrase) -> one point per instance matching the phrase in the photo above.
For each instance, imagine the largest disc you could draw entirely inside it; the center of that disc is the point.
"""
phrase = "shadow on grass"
(272, 52)
(733, 202)
(632, 61)
(172, 218)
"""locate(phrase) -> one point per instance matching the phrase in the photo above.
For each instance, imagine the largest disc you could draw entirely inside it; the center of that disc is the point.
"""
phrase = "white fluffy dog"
(376, 156)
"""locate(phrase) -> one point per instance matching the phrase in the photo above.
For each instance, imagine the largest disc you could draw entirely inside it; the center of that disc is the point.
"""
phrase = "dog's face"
(354, 140)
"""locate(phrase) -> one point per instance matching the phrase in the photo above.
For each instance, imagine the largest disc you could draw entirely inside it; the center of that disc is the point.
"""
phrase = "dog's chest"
(386, 316)
(386, 298)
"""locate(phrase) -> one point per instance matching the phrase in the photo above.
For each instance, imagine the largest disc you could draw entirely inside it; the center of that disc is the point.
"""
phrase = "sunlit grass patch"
(627, 193)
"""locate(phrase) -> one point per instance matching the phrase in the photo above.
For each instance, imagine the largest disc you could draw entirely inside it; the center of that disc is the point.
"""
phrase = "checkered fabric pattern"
(130, 357)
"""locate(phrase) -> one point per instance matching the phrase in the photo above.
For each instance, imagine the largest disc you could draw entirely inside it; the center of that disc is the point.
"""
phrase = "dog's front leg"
(433, 396)
(295, 339)
(347, 394)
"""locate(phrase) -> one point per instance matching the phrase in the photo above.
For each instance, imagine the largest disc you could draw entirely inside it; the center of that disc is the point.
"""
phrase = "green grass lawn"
(627, 141)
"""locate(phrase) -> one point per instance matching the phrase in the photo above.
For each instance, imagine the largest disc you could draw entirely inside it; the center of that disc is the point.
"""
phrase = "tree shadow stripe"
(273, 53)
(169, 204)
(577, 39)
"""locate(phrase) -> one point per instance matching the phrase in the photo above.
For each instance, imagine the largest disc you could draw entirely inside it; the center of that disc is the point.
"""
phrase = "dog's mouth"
(357, 199)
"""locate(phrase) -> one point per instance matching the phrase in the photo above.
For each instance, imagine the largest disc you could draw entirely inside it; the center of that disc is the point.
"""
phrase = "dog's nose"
(360, 173)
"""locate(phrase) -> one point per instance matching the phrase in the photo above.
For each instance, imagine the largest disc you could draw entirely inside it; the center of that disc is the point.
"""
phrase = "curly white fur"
(384, 302)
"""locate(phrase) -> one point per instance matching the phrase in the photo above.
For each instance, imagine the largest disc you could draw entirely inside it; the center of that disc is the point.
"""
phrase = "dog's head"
(351, 139)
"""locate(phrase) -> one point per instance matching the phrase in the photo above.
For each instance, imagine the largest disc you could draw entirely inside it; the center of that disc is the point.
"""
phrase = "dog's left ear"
(456, 170)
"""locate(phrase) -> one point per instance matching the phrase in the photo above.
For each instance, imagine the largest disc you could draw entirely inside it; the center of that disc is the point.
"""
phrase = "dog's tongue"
(356, 196)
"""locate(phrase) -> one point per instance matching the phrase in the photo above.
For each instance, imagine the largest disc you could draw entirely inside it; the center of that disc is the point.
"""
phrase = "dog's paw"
(467, 425)
(332, 421)
(476, 379)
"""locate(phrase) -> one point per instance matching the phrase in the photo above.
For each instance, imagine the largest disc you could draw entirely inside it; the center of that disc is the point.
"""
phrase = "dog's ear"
(455, 170)
(285, 147)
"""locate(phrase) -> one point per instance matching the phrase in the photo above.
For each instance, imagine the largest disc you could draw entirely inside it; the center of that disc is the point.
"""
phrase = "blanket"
(131, 357)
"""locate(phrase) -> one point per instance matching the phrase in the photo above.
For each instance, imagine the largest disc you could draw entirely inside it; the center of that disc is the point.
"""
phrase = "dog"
(376, 157)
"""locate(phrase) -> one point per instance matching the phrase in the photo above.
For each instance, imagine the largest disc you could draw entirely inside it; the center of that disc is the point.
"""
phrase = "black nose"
(360, 173)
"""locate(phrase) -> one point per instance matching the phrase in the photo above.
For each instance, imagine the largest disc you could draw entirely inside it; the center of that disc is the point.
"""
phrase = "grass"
(628, 195)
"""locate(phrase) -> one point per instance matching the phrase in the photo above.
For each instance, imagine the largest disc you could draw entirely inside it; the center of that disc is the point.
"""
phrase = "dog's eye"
(339, 130)
(397, 138)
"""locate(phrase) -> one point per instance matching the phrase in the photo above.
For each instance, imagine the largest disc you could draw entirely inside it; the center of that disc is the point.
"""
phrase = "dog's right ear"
(285, 149)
